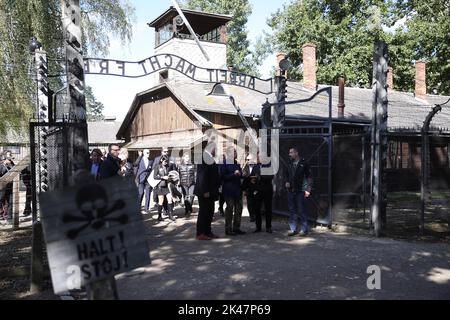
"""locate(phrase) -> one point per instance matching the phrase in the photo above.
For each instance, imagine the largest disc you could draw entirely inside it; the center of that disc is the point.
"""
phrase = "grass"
(440, 195)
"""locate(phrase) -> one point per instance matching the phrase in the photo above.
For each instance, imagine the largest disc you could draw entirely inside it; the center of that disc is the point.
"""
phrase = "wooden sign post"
(93, 232)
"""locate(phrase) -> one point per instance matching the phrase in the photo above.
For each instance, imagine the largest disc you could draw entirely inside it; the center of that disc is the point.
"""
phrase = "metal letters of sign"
(162, 62)
(93, 231)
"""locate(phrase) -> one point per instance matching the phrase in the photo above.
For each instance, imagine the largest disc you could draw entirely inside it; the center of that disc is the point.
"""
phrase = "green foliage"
(101, 19)
(14, 65)
(94, 108)
(238, 54)
(22, 19)
(345, 33)
(425, 36)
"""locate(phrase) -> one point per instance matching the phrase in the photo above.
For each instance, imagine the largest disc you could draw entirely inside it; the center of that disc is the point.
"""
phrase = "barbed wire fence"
(419, 179)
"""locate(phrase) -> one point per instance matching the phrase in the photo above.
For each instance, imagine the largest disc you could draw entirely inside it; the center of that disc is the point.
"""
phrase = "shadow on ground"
(274, 266)
(15, 260)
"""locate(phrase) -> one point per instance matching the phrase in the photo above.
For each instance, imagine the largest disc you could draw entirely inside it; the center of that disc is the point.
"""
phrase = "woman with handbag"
(161, 172)
(188, 172)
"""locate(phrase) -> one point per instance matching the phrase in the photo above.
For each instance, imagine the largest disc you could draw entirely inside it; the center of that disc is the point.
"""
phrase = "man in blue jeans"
(298, 184)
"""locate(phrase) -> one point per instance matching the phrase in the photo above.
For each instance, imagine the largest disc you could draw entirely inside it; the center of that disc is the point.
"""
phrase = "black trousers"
(267, 194)
(28, 199)
(205, 215)
(254, 206)
(221, 202)
(254, 209)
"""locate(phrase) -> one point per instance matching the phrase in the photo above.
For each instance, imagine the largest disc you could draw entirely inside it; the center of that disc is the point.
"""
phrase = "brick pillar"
(390, 79)
(309, 66)
(280, 56)
(421, 84)
(223, 34)
(341, 101)
(231, 75)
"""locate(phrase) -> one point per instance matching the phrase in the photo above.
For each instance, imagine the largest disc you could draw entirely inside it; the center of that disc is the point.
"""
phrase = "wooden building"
(100, 134)
(176, 111)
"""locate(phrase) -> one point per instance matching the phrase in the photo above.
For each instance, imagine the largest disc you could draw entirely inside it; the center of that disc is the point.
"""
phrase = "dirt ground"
(15, 248)
(403, 217)
(15, 260)
(325, 265)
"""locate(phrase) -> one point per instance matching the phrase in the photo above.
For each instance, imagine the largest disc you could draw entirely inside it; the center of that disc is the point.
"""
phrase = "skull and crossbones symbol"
(92, 202)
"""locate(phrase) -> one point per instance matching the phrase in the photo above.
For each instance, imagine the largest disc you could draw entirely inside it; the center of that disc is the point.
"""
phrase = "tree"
(424, 34)
(20, 20)
(345, 33)
(94, 108)
(238, 55)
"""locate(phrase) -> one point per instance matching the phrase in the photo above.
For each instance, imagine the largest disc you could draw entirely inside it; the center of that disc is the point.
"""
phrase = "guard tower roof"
(201, 22)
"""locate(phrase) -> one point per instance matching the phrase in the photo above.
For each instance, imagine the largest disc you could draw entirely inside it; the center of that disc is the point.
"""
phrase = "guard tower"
(173, 37)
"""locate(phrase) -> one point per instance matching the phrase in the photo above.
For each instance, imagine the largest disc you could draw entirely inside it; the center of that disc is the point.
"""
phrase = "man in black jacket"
(258, 189)
(207, 191)
(298, 184)
(25, 175)
(95, 163)
(111, 165)
(144, 169)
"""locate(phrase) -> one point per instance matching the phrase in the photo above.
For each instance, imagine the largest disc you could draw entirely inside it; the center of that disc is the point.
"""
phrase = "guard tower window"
(208, 26)
(165, 34)
(213, 36)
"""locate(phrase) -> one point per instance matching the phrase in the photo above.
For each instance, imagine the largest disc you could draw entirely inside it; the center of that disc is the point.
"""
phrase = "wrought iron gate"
(50, 165)
(314, 139)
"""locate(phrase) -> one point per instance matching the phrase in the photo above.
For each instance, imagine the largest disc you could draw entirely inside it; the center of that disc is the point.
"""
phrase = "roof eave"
(134, 105)
(203, 121)
(155, 22)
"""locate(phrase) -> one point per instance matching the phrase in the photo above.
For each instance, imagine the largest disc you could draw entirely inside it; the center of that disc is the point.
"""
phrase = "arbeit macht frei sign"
(163, 62)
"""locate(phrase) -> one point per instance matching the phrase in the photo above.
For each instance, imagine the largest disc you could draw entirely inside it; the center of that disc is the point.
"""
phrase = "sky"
(117, 94)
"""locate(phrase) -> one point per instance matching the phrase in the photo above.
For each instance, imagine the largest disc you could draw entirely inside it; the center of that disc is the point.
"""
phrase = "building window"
(397, 155)
(218, 90)
(164, 76)
(165, 34)
(213, 36)
(13, 149)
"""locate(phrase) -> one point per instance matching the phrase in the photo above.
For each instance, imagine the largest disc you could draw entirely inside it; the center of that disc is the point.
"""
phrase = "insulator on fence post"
(280, 108)
(43, 114)
(43, 84)
(266, 115)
